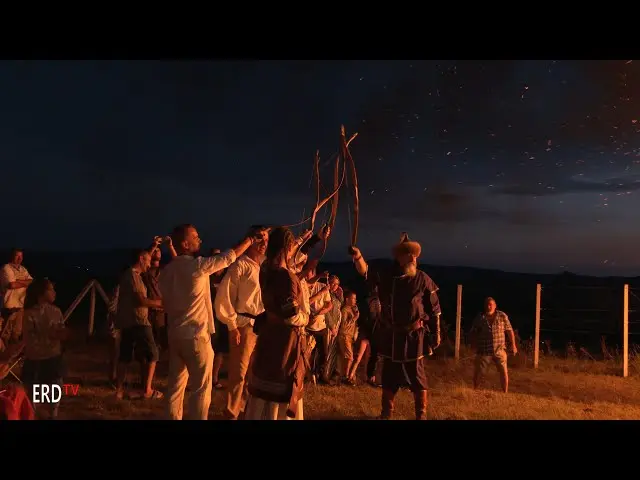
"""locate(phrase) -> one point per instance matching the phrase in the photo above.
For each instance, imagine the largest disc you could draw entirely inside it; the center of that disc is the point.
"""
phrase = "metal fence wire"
(581, 318)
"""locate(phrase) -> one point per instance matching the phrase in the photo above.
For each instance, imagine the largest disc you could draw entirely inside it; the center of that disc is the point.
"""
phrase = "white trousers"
(258, 409)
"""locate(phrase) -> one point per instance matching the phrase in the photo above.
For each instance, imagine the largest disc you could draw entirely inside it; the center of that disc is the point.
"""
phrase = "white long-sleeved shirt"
(301, 319)
(239, 292)
(318, 323)
(186, 293)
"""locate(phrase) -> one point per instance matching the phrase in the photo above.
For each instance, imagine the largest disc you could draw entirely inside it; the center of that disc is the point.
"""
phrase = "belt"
(248, 315)
(408, 328)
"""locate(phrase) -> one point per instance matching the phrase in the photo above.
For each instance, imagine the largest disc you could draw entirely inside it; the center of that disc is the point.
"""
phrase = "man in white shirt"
(186, 293)
(14, 280)
(238, 302)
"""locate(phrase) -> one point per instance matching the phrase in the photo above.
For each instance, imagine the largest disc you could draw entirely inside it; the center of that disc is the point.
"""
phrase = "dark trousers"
(372, 360)
(396, 374)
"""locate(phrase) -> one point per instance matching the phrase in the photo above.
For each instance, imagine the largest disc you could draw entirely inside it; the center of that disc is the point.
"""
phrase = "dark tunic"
(408, 303)
(279, 364)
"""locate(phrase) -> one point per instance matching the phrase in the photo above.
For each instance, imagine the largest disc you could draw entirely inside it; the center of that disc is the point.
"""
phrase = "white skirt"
(258, 409)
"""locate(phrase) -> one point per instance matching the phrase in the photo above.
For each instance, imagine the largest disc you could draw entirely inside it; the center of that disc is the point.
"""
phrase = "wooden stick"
(92, 309)
(536, 341)
(348, 159)
(78, 299)
(458, 321)
(316, 172)
(102, 293)
(625, 331)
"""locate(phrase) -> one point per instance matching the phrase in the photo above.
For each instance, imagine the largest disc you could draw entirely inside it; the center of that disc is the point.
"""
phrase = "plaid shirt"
(491, 332)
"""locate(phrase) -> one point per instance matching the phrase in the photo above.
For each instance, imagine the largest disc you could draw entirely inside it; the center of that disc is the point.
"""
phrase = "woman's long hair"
(36, 290)
(280, 243)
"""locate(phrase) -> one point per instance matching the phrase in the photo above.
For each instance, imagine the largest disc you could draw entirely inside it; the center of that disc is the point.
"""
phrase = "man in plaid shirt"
(488, 336)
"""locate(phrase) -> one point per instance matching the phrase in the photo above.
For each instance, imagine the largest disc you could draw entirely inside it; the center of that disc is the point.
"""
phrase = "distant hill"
(579, 308)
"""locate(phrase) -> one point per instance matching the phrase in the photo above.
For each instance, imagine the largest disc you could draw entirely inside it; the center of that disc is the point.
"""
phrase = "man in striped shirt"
(488, 337)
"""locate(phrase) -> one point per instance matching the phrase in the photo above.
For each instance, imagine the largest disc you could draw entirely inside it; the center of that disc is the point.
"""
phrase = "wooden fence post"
(458, 322)
(92, 309)
(78, 299)
(625, 332)
(536, 341)
(95, 288)
(102, 293)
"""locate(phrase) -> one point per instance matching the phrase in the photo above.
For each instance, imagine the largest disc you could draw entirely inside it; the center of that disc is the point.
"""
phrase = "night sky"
(518, 165)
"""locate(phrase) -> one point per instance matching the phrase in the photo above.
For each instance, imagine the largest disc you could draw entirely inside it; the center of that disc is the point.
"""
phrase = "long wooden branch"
(316, 172)
(334, 206)
(348, 160)
(319, 207)
(336, 188)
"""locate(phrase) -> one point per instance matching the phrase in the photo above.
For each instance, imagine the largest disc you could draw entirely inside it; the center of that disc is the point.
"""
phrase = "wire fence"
(594, 320)
(598, 321)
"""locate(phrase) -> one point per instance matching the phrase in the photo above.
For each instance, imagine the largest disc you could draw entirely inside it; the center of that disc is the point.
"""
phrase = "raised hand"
(325, 232)
(261, 235)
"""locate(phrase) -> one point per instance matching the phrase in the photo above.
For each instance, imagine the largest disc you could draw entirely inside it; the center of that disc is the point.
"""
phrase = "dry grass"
(562, 389)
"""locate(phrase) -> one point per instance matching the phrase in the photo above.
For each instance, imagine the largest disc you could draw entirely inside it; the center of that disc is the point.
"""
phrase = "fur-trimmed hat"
(406, 246)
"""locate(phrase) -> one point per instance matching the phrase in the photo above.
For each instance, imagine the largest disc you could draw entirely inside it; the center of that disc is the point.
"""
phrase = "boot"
(420, 399)
(387, 405)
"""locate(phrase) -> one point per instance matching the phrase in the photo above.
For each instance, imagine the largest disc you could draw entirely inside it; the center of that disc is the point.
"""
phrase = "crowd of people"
(264, 310)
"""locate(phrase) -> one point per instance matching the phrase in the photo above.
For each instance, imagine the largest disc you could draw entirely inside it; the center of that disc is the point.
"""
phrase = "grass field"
(561, 389)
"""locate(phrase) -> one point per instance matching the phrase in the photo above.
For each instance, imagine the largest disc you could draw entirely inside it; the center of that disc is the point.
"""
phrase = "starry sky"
(527, 165)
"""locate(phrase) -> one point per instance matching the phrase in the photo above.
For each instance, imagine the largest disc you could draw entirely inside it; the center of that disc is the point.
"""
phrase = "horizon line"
(495, 269)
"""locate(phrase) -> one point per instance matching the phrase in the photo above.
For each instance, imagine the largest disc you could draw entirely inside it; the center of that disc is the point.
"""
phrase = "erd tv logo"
(43, 393)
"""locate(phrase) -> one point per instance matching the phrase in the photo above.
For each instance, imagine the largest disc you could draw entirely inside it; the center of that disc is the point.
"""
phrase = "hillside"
(575, 308)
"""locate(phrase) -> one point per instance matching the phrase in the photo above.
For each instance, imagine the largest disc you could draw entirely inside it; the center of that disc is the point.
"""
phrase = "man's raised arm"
(157, 240)
(358, 261)
(172, 250)
(211, 265)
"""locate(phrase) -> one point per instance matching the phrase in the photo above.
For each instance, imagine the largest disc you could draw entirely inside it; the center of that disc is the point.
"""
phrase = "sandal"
(218, 386)
(155, 395)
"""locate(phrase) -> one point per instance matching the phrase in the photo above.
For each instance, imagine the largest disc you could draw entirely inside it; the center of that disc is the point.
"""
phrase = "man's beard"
(410, 269)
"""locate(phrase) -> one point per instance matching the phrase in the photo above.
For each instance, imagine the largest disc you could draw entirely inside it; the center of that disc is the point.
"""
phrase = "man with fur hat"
(410, 308)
